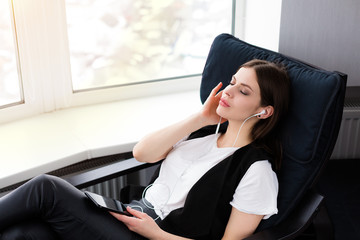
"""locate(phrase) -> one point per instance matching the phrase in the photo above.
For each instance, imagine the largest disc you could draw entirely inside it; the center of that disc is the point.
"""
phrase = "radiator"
(348, 142)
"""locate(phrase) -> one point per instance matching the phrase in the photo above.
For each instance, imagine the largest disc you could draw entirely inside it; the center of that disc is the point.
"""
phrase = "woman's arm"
(241, 225)
(157, 145)
(144, 225)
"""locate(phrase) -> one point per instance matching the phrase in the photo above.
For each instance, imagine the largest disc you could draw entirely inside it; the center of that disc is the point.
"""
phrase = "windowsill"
(54, 140)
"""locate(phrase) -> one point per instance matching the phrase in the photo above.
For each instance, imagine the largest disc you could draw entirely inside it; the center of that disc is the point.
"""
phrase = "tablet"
(109, 204)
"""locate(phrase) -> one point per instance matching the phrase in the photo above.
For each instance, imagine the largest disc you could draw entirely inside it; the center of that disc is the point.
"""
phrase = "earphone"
(257, 114)
(260, 113)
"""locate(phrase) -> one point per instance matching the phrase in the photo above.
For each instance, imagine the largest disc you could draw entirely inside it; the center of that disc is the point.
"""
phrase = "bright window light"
(114, 43)
(10, 86)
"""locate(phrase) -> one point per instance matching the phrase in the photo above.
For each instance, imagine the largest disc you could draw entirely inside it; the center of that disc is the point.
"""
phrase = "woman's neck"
(233, 138)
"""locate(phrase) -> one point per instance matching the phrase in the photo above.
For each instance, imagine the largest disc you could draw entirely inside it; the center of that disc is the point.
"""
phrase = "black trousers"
(48, 208)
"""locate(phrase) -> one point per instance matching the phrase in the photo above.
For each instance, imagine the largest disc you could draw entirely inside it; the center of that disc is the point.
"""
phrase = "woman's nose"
(227, 91)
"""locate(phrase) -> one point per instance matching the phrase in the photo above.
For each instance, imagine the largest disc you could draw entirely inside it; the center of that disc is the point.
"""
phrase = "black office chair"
(308, 134)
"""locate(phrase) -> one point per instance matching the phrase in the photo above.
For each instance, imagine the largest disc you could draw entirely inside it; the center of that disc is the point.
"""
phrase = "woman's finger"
(216, 89)
(219, 94)
(134, 212)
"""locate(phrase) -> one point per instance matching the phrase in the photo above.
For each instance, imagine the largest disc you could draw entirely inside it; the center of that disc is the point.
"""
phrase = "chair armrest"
(296, 222)
(101, 174)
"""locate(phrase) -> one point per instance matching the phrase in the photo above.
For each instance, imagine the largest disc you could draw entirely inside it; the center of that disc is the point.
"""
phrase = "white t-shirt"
(190, 160)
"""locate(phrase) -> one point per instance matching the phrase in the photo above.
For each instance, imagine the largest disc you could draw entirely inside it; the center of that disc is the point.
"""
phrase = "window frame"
(17, 58)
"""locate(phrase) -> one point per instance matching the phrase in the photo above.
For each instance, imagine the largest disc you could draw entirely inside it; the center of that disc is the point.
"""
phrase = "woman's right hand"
(208, 112)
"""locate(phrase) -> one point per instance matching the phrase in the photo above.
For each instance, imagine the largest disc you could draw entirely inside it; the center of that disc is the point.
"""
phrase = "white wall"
(325, 33)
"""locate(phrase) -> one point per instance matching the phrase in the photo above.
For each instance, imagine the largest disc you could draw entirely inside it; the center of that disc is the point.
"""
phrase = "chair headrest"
(310, 130)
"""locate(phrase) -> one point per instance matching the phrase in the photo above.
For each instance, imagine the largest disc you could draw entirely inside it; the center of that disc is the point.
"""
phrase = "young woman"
(216, 182)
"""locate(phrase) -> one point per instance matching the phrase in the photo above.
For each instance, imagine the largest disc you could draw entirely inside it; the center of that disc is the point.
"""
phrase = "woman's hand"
(208, 112)
(140, 223)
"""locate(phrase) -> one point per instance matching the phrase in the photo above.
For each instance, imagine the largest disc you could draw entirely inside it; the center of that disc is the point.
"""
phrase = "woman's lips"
(224, 103)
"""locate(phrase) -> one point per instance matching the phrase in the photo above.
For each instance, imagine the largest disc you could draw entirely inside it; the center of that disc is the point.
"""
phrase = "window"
(67, 48)
(125, 42)
(10, 84)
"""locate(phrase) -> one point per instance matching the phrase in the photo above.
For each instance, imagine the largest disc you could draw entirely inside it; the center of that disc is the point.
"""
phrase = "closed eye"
(243, 86)
(244, 93)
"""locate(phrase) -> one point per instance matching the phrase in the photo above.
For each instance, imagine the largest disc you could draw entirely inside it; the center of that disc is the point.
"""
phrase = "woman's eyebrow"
(243, 84)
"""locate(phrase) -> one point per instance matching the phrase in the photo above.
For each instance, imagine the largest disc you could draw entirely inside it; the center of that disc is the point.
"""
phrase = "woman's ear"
(269, 110)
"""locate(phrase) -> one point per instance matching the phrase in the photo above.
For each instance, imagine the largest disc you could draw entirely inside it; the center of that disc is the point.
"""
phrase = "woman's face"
(241, 98)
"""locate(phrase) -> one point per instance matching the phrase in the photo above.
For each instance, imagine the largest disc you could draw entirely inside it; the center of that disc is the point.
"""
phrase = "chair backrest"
(312, 125)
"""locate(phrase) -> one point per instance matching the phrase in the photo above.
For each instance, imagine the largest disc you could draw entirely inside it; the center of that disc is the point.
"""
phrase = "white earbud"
(260, 113)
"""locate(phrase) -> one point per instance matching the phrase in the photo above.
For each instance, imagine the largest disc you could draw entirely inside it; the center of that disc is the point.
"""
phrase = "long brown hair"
(274, 86)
